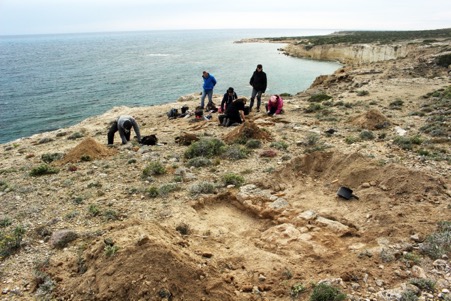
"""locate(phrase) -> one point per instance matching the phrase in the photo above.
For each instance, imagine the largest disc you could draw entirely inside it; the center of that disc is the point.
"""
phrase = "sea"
(49, 82)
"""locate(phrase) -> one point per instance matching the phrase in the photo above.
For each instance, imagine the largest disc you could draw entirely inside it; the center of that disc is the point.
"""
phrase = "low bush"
(232, 179)
(423, 284)
(198, 162)
(234, 152)
(152, 192)
(154, 168)
(204, 148)
(48, 158)
(326, 292)
(366, 135)
(166, 189)
(319, 97)
(253, 143)
(280, 145)
(202, 187)
(10, 241)
(43, 169)
(438, 243)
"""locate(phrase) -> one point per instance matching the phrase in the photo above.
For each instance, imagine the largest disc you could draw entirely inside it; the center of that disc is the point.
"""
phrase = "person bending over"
(123, 124)
(274, 105)
(234, 113)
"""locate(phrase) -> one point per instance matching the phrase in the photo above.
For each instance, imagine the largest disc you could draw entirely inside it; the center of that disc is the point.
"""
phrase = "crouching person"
(123, 124)
(234, 113)
(274, 105)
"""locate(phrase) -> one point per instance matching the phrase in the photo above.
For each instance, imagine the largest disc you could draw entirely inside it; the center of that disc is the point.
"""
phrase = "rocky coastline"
(257, 217)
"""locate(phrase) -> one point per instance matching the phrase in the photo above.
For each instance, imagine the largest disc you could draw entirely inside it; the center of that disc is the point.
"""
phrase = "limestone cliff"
(351, 54)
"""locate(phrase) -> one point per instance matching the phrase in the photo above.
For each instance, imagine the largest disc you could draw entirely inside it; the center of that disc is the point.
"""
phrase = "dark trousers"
(272, 111)
(259, 98)
(113, 130)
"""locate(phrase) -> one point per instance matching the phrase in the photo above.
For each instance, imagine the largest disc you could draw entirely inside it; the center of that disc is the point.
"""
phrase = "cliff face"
(351, 54)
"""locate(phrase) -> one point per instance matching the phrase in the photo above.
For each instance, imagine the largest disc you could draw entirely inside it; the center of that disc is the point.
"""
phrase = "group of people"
(232, 107)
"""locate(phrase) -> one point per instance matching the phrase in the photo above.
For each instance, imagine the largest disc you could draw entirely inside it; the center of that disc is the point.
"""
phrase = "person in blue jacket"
(209, 84)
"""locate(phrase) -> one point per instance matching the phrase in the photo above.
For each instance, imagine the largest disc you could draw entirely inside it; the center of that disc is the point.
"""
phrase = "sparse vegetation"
(49, 158)
(423, 284)
(253, 143)
(362, 93)
(166, 189)
(296, 290)
(234, 152)
(326, 292)
(152, 192)
(154, 168)
(366, 135)
(280, 145)
(319, 97)
(43, 169)
(204, 148)
(232, 179)
(110, 250)
(183, 229)
(407, 143)
(202, 187)
(10, 241)
(199, 162)
(438, 243)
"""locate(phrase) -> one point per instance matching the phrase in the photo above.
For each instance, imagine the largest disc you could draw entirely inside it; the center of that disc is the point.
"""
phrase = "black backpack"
(149, 140)
(173, 113)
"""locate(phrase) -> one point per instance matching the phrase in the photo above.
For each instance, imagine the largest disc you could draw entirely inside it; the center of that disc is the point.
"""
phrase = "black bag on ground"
(149, 140)
(173, 113)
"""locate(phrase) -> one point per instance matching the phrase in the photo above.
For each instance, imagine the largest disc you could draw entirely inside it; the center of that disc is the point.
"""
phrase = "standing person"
(258, 82)
(123, 124)
(209, 84)
(274, 105)
(228, 98)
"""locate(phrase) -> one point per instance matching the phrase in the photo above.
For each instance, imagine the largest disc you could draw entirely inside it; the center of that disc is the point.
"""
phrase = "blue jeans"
(259, 98)
(202, 98)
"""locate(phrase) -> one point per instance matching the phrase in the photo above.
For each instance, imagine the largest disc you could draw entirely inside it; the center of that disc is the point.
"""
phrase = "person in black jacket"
(234, 114)
(258, 82)
(228, 98)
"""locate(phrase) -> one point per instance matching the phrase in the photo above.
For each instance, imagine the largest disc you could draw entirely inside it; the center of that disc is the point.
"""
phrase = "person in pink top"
(274, 105)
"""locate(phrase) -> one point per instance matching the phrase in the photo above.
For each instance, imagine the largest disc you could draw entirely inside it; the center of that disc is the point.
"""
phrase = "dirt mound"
(248, 130)
(150, 263)
(88, 149)
(371, 120)
(355, 171)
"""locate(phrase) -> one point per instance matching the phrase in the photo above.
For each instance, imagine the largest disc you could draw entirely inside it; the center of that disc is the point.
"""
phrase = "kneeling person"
(123, 124)
(234, 113)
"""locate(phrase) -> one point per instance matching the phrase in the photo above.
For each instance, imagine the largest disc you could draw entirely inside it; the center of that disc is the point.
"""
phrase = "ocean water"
(54, 81)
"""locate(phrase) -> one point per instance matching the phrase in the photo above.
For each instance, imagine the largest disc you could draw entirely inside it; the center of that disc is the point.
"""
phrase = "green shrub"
(397, 104)
(362, 93)
(408, 295)
(313, 107)
(111, 215)
(75, 135)
(232, 179)
(48, 158)
(10, 241)
(443, 60)
(234, 152)
(253, 143)
(326, 292)
(110, 251)
(423, 284)
(5, 222)
(152, 192)
(3, 185)
(202, 187)
(407, 143)
(165, 189)
(43, 169)
(351, 139)
(154, 168)
(280, 145)
(438, 243)
(366, 135)
(93, 210)
(296, 290)
(319, 97)
(85, 158)
(204, 148)
(198, 162)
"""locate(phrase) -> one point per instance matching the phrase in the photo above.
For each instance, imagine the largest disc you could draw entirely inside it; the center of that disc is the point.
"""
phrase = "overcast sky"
(73, 16)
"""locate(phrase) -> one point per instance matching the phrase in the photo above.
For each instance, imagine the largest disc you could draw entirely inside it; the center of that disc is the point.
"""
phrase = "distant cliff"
(350, 54)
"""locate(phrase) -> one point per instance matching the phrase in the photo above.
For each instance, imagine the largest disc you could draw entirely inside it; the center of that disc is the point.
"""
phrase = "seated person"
(228, 98)
(274, 105)
(123, 124)
(234, 113)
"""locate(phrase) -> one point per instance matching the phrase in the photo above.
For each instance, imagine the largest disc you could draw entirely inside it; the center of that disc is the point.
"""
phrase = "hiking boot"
(224, 122)
(227, 122)
(258, 110)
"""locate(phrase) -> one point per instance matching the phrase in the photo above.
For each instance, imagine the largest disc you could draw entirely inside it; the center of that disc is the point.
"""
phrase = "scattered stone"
(60, 239)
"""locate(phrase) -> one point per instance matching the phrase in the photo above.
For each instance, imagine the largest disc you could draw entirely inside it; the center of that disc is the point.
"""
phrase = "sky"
(19, 17)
